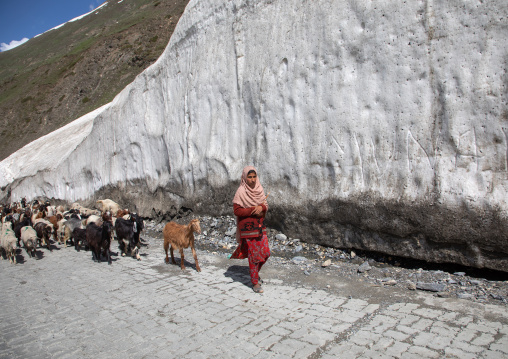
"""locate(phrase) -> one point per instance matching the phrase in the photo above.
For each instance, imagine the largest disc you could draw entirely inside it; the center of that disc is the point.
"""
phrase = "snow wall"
(375, 125)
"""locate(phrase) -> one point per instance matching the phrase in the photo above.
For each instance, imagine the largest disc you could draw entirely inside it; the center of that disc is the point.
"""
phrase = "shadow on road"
(20, 258)
(187, 264)
(39, 254)
(239, 274)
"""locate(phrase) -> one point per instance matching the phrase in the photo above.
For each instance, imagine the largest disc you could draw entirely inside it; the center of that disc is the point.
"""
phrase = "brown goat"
(121, 213)
(180, 237)
(54, 221)
(106, 216)
(38, 215)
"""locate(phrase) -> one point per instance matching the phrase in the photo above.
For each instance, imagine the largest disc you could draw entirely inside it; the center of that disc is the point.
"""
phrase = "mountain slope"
(67, 72)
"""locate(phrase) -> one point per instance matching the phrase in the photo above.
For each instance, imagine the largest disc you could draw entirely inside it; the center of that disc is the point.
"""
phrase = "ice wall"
(375, 125)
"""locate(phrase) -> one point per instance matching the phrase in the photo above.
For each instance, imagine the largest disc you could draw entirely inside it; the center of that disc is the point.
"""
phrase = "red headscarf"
(249, 197)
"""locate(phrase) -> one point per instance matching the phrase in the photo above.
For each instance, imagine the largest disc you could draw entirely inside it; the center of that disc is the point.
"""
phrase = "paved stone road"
(63, 305)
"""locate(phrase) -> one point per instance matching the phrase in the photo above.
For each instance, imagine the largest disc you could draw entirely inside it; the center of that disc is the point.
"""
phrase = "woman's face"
(251, 179)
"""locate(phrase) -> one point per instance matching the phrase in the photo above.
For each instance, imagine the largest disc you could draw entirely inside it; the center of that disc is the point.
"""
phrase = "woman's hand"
(257, 211)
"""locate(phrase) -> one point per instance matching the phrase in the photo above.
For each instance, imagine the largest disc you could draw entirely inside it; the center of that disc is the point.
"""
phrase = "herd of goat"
(32, 225)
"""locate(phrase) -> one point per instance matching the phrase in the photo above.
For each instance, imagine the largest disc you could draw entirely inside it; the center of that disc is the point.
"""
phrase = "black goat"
(8, 218)
(127, 233)
(72, 213)
(70, 224)
(6, 210)
(44, 231)
(23, 223)
(99, 239)
(79, 238)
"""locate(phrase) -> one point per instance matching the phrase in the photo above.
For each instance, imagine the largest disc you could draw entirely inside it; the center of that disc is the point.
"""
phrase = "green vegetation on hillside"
(67, 72)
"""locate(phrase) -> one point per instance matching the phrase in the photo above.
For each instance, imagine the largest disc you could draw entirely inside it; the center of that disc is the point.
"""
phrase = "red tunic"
(254, 242)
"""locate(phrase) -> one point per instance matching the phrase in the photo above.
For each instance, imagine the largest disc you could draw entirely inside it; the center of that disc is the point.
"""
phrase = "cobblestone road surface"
(63, 305)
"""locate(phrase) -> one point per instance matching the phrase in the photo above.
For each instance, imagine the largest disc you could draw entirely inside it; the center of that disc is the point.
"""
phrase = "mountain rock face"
(374, 126)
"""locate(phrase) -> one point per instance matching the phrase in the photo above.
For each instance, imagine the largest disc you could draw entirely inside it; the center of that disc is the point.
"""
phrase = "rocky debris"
(280, 237)
(326, 263)
(218, 236)
(299, 260)
(432, 287)
(364, 267)
(388, 281)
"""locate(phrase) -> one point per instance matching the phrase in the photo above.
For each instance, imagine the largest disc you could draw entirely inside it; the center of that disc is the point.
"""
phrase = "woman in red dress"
(250, 207)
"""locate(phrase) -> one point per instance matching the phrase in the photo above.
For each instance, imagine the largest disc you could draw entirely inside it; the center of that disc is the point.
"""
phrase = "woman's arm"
(239, 211)
(259, 210)
(242, 212)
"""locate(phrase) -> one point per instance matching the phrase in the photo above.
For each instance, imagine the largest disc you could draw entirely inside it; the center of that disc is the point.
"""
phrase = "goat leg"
(67, 236)
(121, 245)
(182, 259)
(195, 259)
(167, 258)
(172, 257)
(135, 253)
(134, 249)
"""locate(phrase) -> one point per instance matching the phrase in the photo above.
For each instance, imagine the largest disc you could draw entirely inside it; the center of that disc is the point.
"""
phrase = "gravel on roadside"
(443, 280)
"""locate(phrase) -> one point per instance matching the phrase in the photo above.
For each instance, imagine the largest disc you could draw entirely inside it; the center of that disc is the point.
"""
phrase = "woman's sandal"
(257, 289)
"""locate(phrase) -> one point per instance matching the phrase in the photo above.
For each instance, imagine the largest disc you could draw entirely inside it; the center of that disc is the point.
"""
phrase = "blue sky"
(21, 20)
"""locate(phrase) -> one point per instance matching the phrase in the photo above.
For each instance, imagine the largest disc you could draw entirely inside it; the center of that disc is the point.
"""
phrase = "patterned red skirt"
(257, 250)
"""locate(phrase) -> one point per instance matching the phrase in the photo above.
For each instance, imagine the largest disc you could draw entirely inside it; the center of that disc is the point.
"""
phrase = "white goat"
(8, 241)
(88, 212)
(60, 233)
(75, 205)
(108, 205)
(50, 211)
(93, 219)
(29, 239)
